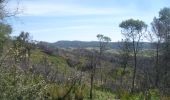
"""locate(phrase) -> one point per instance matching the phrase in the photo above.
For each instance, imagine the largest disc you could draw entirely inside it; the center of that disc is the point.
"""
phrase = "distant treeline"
(86, 44)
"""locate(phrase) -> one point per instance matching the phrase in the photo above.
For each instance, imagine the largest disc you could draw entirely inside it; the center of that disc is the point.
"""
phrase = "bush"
(152, 94)
(80, 92)
(57, 92)
(18, 85)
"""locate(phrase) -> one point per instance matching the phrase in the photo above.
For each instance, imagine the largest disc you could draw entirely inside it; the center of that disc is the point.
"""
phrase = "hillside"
(87, 44)
(93, 67)
(67, 66)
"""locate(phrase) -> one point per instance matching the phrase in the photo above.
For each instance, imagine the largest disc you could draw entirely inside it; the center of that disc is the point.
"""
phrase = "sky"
(54, 20)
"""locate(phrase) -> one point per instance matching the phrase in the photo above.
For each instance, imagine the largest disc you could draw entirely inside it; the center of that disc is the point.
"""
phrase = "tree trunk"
(157, 65)
(91, 88)
(135, 64)
(101, 76)
(134, 73)
(93, 71)
(122, 74)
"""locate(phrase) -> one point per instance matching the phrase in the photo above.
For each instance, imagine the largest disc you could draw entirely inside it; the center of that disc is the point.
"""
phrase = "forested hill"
(89, 44)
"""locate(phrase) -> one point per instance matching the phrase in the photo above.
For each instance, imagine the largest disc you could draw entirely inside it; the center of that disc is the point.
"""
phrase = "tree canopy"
(133, 25)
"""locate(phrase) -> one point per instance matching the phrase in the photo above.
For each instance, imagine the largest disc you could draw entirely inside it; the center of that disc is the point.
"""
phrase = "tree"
(124, 53)
(157, 39)
(7, 12)
(164, 18)
(22, 49)
(133, 30)
(103, 42)
(5, 30)
(92, 65)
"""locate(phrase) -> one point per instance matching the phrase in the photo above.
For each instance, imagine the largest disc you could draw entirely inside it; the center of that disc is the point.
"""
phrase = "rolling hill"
(88, 44)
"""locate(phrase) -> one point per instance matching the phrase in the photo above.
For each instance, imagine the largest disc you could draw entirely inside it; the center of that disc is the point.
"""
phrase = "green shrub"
(57, 92)
(154, 94)
(17, 85)
(79, 94)
(165, 98)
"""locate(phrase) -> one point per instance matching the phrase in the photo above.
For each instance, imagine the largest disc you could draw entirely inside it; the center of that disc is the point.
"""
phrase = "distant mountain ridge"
(88, 44)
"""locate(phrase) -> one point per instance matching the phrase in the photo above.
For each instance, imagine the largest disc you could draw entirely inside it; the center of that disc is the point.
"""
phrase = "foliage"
(30, 71)
(133, 25)
(104, 95)
(5, 30)
(149, 95)
(18, 85)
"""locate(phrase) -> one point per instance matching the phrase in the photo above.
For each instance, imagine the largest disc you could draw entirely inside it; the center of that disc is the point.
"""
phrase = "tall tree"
(5, 29)
(156, 39)
(103, 42)
(164, 18)
(124, 53)
(133, 30)
(92, 64)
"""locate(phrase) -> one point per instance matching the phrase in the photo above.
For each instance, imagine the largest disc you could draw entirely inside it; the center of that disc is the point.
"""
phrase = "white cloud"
(102, 19)
(56, 9)
(79, 28)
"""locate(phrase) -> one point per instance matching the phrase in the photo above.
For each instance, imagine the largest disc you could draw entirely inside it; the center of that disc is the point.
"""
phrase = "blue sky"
(54, 20)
